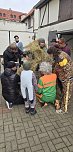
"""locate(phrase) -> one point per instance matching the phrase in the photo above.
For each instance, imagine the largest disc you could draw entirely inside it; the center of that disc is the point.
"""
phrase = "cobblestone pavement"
(44, 132)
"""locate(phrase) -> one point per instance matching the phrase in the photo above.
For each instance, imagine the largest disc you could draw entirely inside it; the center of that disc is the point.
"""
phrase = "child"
(28, 88)
(10, 86)
(47, 84)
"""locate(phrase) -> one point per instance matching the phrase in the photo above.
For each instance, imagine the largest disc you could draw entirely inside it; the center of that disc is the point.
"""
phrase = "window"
(4, 15)
(0, 14)
(11, 16)
(14, 16)
(29, 22)
(65, 10)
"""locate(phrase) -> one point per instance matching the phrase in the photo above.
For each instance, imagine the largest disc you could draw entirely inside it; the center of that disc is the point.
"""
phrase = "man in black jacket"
(10, 85)
(12, 53)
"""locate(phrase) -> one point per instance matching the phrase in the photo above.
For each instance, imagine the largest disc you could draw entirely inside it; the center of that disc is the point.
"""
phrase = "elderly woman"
(47, 84)
(63, 67)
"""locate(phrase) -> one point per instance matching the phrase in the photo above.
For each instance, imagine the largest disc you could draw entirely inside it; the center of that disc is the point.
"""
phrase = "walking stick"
(67, 95)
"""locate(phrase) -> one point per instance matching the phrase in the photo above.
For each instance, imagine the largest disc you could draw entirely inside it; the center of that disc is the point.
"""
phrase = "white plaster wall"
(45, 20)
(32, 20)
(15, 29)
(53, 10)
(25, 37)
(36, 19)
(26, 25)
(7, 25)
(41, 13)
(44, 32)
(4, 41)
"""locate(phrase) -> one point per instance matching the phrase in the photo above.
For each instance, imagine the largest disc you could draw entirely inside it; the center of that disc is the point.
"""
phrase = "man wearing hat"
(10, 85)
(42, 44)
(54, 43)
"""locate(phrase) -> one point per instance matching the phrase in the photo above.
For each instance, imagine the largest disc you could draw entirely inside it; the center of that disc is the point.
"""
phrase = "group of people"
(21, 86)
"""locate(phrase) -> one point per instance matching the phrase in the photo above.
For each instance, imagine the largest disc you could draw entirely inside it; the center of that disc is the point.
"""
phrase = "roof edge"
(41, 3)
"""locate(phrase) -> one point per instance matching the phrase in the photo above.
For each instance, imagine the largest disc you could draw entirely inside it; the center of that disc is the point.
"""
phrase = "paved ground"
(44, 132)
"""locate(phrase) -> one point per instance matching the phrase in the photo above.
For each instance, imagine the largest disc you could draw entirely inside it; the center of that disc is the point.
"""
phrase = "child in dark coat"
(10, 85)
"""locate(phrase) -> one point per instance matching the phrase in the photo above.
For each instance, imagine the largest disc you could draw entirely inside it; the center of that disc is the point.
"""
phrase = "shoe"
(33, 111)
(27, 110)
(9, 105)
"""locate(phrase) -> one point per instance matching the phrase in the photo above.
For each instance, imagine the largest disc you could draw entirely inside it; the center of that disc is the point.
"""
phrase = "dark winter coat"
(10, 86)
(66, 49)
(8, 55)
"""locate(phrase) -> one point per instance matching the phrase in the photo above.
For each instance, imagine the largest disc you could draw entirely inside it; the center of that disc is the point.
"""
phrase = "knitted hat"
(26, 65)
(41, 40)
(11, 64)
(45, 67)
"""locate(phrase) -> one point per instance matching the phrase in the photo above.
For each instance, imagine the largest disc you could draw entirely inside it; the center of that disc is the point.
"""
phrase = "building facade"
(55, 19)
(8, 30)
(51, 19)
(29, 21)
(10, 15)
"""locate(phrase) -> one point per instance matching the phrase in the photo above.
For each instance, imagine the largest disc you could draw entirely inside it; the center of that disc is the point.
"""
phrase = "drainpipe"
(9, 38)
(33, 28)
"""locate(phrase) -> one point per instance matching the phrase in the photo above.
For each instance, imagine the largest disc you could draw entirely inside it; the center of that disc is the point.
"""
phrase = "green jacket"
(47, 88)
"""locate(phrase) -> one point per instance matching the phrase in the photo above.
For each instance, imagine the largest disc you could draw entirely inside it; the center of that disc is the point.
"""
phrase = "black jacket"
(8, 55)
(10, 86)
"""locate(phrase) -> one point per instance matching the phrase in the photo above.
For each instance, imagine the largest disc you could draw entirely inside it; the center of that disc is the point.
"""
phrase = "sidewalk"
(44, 132)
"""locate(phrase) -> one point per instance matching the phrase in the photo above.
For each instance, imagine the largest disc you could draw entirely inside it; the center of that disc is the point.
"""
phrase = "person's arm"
(17, 83)
(17, 78)
(40, 87)
(21, 46)
(69, 52)
(5, 58)
(34, 82)
(19, 55)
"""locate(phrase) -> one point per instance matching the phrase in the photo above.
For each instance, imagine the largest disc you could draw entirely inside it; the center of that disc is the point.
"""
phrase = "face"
(42, 45)
(50, 55)
(16, 39)
(14, 50)
(60, 42)
(14, 68)
(26, 58)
